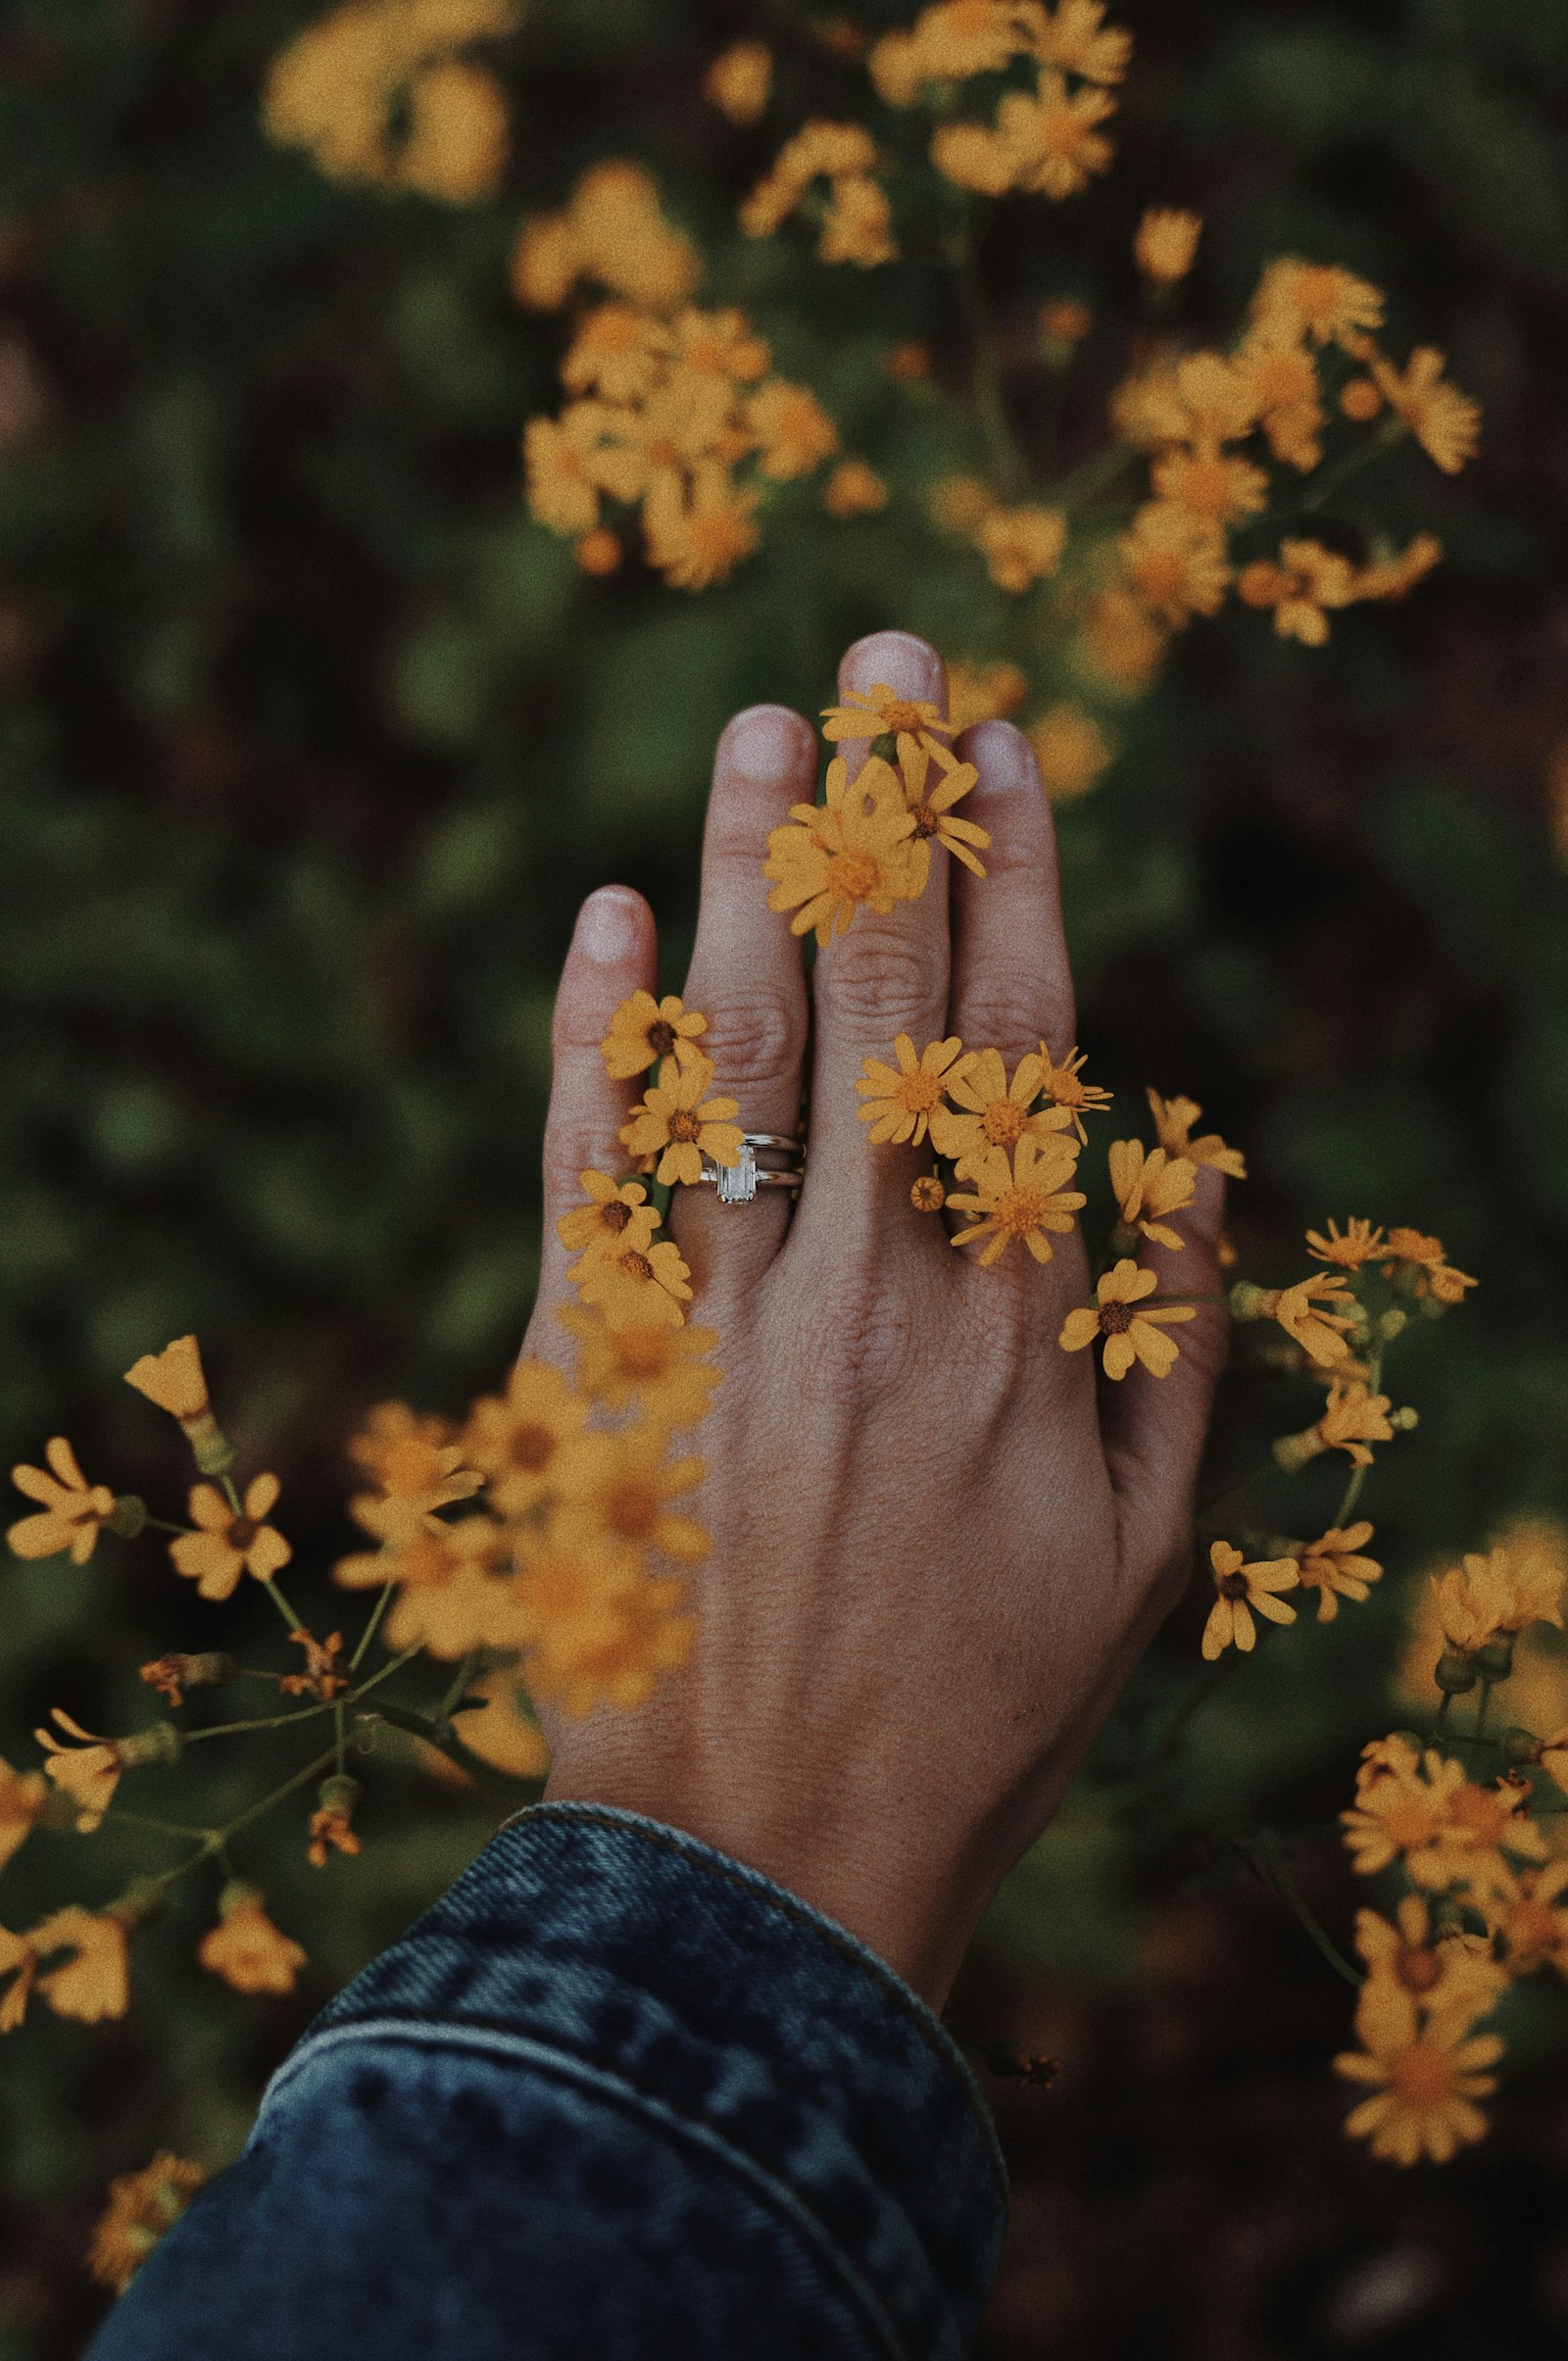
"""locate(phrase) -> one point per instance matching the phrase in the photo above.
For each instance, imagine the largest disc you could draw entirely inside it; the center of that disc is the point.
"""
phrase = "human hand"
(940, 1543)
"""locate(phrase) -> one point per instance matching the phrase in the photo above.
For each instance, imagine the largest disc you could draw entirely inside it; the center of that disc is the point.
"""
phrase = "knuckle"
(853, 1340)
(1009, 1017)
(872, 979)
(571, 1149)
(760, 1039)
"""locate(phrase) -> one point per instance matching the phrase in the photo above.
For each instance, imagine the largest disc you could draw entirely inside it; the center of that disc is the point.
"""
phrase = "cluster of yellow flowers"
(1043, 139)
(668, 400)
(377, 92)
(855, 216)
(554, 1580)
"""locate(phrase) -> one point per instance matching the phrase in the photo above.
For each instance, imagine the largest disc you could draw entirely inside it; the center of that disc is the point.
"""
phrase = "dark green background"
(310, 742)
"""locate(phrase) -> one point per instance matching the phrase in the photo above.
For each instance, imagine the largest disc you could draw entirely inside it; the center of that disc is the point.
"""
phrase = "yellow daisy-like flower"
(1209, 488)
(1173, 1127)
(1175, 563)
(1425, 2082)
(739, 79)
(719, 344)
(1077, 38)
(1451, 1979)
(617, 1214)
(1505, 1589)
(1165, 244)
(623, 1483)
(877, 713)
(699, 540)
(664, 1371)
(526, 1438)
(618, 351)
(1243, 1591)
(74, 1511)
(1022, 1198)
(932, 806)
(1021, 545)
(1044, 141)
(1071, 749)
(452, 1588)
(680, 1124)
(416, 1462)
(1444, 422)
(645, 1030)
(1358, 1243)
(1420, 1260)
(853, 490)
(793, 431)
(900, 1101)
(854, 852)
(1353, 1418)
(88, 1770)
(1150, 1183)
(984, 692)
(1279, 373)
(22, 1794)
(1528, 1915)
(1333, 1566)
(1301, 587)
(1317, 300)
(142, 2206)
(1428, 1815)
(563, 466)
(1130, 1335)
(246, 1949)
(990, 1110)
(635, 1285)
(858, 223)
(1310, 1315)
(228, 1543)
(618, 1657)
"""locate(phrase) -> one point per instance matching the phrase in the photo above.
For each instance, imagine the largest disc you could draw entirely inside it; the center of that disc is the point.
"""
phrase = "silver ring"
(737, 1184)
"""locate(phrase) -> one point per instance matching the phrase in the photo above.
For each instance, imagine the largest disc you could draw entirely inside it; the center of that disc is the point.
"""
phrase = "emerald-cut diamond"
(737, 1182)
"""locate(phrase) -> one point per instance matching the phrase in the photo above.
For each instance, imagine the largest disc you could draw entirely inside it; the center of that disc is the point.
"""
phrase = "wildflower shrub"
(801, 337)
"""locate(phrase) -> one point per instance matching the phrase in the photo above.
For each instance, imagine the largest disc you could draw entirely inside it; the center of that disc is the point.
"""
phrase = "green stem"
(162, 1828)
(161, 1524)
(1358, 1475)
(373, 1626)
(1331, 479)
(986, 385)
(1096, 475)
(464, 1674)
(284, 1609)
(306, 1713)
(1262, 1850)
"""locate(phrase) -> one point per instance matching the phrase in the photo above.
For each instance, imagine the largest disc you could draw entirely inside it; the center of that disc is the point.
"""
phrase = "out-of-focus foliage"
(310, 741)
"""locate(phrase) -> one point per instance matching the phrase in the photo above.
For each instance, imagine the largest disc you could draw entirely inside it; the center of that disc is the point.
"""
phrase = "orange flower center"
(1205, 487)
(643, 1352)
(1160, 574)
(661, 1038)
(1018, 1211)
(927, 1195)
(926, 822)
(717, 539)
(664, 453)
(1533, 1931)
(1115, 1319)
(615, 1215)
(616, 332)
(632, 1508)
(530, 1449)
(1417, 1968)
(706, 356)
(635, 1265)
(919, 1092)
(1317, 296)
(557, 1589)
(1233, 1586)
(1282, 379)
(1003, 1122)
(1409, 1825)
(1423, 2075)
(899, 714)
(853, 876)
(684, 1124)
(242, 1533)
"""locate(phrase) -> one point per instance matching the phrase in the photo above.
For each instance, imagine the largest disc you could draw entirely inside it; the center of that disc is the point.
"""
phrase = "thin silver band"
(737, 1184)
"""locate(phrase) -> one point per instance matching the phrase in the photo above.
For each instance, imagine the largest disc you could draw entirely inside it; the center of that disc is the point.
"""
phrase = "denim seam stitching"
(519, 2050)
(692, 1850)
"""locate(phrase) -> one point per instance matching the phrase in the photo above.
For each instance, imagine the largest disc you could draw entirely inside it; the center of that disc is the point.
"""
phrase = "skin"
(940, 1543)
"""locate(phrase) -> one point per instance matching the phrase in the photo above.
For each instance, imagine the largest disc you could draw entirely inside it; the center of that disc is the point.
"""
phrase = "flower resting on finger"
(1130, 1335)
(1243, 1591)
(643, 1030)
(617, 1214)
(877, 713)
(230, 1542)
(680, 1124)
(525, 1439)
(900, 1101)
(623, 1484)
(933, 807)
(1173, 1127)
(73, 1512)
(1023, 1198)
(991, 1112)
(663, 1371)
(1335, 1569)
(635, 1284)
(1150, 1184)
(1065, 1085)
(855, 851)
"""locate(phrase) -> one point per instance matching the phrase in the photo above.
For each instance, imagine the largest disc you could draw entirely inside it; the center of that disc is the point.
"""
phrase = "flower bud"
(1455, 1673)
(339, 1793)
(1292, 1451)
(1518, 1746)
(1249, 1303)
(1494, 1662)
(1403, 1421)
(130, 1517)
(160, 1742)
(1392, 1323)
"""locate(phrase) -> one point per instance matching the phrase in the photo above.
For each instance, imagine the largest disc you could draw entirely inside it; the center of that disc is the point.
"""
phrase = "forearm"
(617, 2095)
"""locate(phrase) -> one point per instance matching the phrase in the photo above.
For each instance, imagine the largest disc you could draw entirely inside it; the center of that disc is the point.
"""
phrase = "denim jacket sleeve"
(614, 2097)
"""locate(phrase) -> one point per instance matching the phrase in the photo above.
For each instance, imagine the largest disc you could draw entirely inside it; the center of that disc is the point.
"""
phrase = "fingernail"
(1002, 755)
(609, 925)
(762, 743)
(907, 666)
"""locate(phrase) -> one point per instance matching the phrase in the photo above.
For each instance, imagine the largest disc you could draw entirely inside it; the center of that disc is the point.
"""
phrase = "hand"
(940, 1543)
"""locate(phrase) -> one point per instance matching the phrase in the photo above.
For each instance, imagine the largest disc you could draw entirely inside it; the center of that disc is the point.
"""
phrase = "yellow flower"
(1066, 1088)
(696, 542)
(453, 1591)
(615, 1216)
(928, 1195)
(504, 1734)
(74, 1511)
(331, 1831)
(526, 1438)
(1150, 1184)
(1425, 2082)
(1071, 750)
(1020, 545)
(1390, 576)
(684, 429)
(818, 150)
(95, 1984)
(990, 1111)
(644, 1030)
(1423, 1258)
(983, 693)
(246, 1949)
(618, 351)
(1279, 374)
(959, 504)
(1310, 1315)
(1305, 583)
(613, 231)
(950, 42)
(416, 1461)
(623, 1483)
(1021, 1199)
(141, 2207)
(1062, 322)
(1173, 1126)
(22, 1794)
(20, 1961)
(616, 1658)
(679, 1124)
(663, 1371)
(1526, 1913)
(855, 851)
(1045, 142)
(1077, 39)
(572, 1581)
(1165, 244)
(1504, 1591)
(858, 224)
(900, 1101)
(1129, 1335)
(1430, 1816)
(334, 91)
(173, 1379)
(1446, 422)
(1207, 487)
(88, 1772)
(1122, 641)
(1175, 562)
(853, 490)
(739, 79)
(229, 1544)
(1335, 1568)
(717, 344)
(563, 466)
(876, 713)
(635, 1285)
(1241, 1591)
(792, 430)
(933, 808)
(1353, 1418)
(1360, 1243)
(1317, 300)
(1450, 1979)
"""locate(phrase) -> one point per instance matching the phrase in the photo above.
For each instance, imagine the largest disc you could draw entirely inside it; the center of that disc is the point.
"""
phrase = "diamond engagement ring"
(738, 1182)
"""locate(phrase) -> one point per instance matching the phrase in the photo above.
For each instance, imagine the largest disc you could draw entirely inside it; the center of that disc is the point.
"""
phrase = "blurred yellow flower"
(983, 691)
(1302, 586)
(616, 350)
(739, 79)
(1317, 300)
(563, 466)
(141, 2207)
(246, 1949)
(505, 1732)
(1175, 562)
(615, 1658)
(1020, 545)
(72, 1514)
(792, 430)
(1425, 2081)
(1062, 323)
(230, 1541)
(1165, 244)
(1078, 39)
(858, 223)
(1045, 142)
(416, 1461)
(22, 1794)
(344, 82)
(1071, 749)
(1021, 1199)
(680, 1124)
(1122, 641)
(1276, 368)
(854, 852)
(1444, 422)
(1428, 1815)
(900, 1100)
(623, 1484)
(614, 232)
(853, 490)
(694, 543)
(1336, 1567)
(95, 1983)
(664, 1371)
(1526, 1913)
(526, 1438)
(1207, 487)
(855, 223)
(88, 1771)
(1243, 1591)
(1451, 1979)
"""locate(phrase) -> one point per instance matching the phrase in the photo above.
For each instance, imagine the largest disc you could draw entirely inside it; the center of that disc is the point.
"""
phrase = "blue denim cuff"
(630, 1956)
